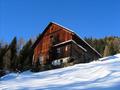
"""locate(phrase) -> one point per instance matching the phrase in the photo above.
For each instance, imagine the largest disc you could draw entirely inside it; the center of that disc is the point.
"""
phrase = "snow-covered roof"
(71, 41)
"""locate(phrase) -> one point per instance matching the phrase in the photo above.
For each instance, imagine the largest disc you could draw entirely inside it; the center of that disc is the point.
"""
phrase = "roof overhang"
(72, 41)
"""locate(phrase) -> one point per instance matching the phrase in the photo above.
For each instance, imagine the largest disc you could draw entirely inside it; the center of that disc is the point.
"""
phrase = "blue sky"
(28, 18)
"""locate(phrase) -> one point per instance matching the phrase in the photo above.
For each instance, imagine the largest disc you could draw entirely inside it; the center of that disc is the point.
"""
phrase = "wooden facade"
(58, 44)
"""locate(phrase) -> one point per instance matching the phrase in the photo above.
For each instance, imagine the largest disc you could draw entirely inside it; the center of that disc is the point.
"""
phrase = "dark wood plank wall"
(65, 51)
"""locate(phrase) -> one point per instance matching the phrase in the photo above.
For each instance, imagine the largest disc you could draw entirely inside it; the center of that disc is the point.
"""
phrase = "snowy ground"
(99, 75)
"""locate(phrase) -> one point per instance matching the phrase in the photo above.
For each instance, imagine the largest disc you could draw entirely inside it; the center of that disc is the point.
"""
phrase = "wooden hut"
(58, 45)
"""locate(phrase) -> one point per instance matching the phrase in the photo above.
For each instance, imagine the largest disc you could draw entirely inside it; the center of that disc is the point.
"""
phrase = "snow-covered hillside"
(99, 75)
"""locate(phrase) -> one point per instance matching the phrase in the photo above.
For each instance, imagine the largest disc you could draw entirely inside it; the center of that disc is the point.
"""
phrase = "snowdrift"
(98, 75)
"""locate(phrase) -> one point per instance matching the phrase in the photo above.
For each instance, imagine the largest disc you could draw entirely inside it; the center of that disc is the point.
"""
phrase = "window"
(51, 28)
(47, 56)
(58, 50)
(66, 48)
(51, 36)
(57, 62)
(54, 39)
(41, 59)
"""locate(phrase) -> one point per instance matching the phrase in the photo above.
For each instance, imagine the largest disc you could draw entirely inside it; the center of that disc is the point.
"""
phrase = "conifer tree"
(7, 61)
(2, 53)
(25, 56)
(13, 48)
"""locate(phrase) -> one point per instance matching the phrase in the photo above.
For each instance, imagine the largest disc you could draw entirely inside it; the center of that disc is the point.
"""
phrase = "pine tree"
(13, 48)
(25, 56)
(7, 61)
(2, 53)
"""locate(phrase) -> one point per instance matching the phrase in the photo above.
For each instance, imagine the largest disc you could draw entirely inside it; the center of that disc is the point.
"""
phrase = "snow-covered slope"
(99, 75)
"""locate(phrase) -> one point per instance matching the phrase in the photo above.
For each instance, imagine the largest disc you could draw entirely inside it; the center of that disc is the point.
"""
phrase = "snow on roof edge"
(73, 42)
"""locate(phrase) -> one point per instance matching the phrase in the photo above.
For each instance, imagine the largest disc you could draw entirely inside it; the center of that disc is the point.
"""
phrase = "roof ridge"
(63, 26)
